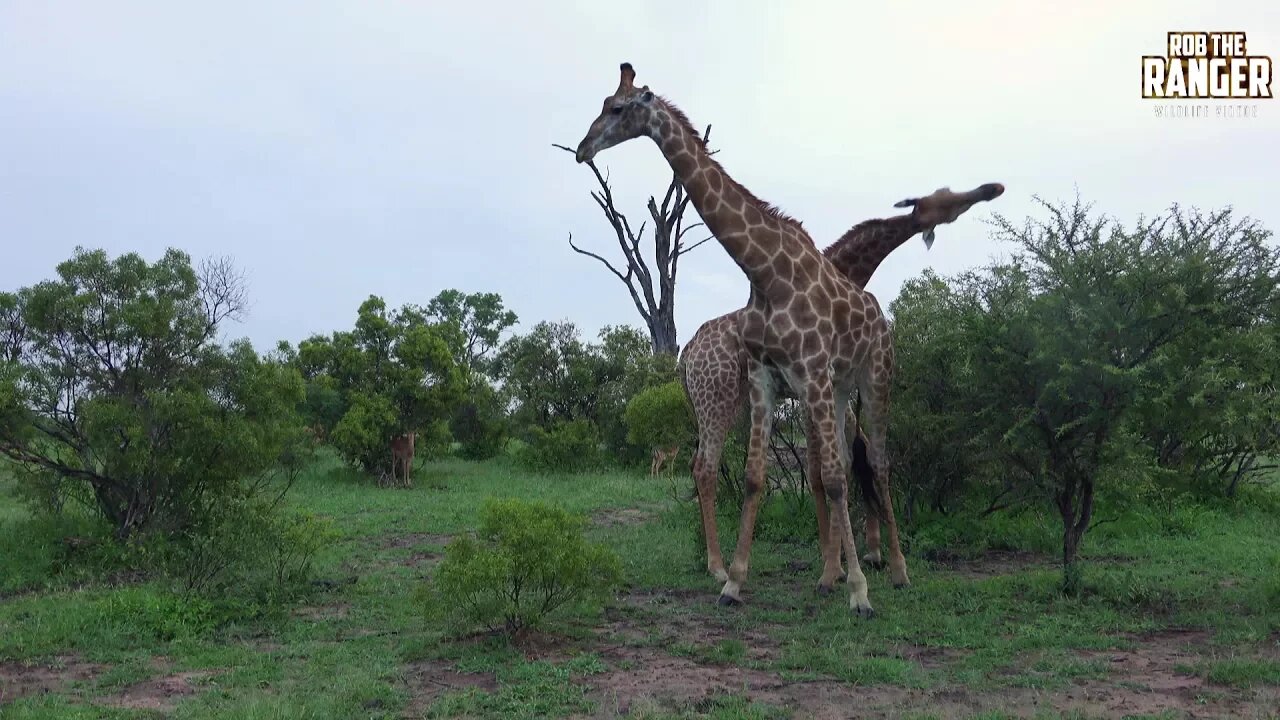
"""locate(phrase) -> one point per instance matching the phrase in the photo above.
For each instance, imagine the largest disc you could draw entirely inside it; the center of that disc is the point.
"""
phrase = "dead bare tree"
(654, 297)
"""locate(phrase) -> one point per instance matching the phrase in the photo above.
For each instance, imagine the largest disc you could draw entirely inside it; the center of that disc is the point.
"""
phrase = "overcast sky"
(337, 150)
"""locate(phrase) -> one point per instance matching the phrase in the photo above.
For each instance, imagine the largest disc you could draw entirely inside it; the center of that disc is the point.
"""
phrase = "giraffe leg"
(828, 544)
(761, 416)
(706, 468)
(878, 395)
(826, 406)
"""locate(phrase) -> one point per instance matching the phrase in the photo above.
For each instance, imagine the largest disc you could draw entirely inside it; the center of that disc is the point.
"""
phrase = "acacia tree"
(113, 393)
(652, 289)
(1072, 348)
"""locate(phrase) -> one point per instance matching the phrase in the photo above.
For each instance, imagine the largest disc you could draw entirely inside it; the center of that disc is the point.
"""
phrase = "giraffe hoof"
(864, 611)
(874, 560)
(901, 585)
(825, 590)
(728, 601)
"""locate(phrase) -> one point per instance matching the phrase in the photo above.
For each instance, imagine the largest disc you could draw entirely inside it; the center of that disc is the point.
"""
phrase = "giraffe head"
(944, 206)
(628, 113)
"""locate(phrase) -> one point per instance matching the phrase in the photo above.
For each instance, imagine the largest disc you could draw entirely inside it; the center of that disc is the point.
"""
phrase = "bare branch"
(694, 246)
(654, 298)
(612, 269)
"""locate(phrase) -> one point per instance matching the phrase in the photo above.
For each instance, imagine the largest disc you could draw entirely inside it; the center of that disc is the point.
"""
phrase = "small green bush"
(250, 550)
(569, 447)
(660, 416)
(528, 560)
(480, 424)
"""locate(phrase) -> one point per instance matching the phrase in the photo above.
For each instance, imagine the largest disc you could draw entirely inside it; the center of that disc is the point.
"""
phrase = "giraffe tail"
(865, 475)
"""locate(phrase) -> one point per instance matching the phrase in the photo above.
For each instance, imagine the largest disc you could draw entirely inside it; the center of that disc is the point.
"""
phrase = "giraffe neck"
(860, 251)
(727, 208)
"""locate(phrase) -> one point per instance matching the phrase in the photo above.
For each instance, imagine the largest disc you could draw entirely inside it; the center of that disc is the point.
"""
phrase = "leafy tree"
(548, 375)
(930, 437)
(480, 423)
(113, 392)
(393, 373)
(551, 376)
(480, 318)
(1073, 346)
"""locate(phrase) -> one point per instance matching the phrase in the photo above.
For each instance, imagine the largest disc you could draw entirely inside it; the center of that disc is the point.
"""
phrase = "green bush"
(570, 447)
(528, 560)
(660, 416)
(479, 425)
(114, 395)
(251, 551)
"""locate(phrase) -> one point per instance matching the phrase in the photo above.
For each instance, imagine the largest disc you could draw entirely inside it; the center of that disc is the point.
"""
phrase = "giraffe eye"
(616, 109)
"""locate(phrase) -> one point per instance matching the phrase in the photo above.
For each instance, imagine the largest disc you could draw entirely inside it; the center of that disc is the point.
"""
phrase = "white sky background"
(337, 150)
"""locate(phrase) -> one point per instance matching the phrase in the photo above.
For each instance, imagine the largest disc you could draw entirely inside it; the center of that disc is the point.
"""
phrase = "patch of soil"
(679, 616)
(424, 559)
(161, 694)
(19, 679)
(412, 540)
(320, 613)
(616, 517)
(931, 657)
(427, 680)
(990, 563)
(642, 678)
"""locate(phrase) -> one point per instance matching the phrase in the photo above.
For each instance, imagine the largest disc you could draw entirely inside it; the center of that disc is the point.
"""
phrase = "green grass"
(1202, 589)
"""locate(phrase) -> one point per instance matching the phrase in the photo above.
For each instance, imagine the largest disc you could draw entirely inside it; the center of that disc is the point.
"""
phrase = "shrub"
(528, 561)
(479, 425)
(660, 416)
(393, 373)
(570, 447)
(251, 551)
(113, 392)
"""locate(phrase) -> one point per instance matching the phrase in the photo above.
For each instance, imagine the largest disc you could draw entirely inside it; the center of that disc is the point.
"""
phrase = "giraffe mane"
(853, 234)
(769, 209)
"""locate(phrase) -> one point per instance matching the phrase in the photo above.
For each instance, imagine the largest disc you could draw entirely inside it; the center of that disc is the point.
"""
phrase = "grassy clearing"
(1182, 615)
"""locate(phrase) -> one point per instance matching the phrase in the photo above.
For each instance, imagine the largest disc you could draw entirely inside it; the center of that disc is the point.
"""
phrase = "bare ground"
(160, 693)
(615, 517)
(427, 680)
(990, 563)
(22, 679)
(1142, 681)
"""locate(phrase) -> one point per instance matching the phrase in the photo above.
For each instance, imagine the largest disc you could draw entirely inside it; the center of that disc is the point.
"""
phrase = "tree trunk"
(662, 332)
(1075, 503)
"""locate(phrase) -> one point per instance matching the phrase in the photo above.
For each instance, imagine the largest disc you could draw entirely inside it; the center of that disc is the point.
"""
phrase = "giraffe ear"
(928, 239)
(906, 203)
(646, 95)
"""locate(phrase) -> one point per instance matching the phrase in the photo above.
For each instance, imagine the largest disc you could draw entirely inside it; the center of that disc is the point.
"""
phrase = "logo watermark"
(1207, 66)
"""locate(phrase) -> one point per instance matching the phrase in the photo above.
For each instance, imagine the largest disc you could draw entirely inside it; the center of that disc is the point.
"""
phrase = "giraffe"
(713, 365)
(805, 326)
